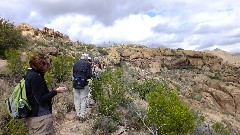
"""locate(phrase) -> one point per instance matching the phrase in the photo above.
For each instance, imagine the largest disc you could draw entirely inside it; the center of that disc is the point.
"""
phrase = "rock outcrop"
(38, 34)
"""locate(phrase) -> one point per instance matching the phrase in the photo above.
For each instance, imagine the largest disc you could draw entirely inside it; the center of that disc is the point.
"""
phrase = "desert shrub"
(221, 129)
(38, 43)
(168, 113)
(216, 76)
(102, 51)
(145, 87)
(63, 104)
(10, 37)
(61, 68)
(109, 94)
(10, 126)
(85, 47)
(49, 78)
(106, 125)
(16, 66)
(14, 127)
(173, 51)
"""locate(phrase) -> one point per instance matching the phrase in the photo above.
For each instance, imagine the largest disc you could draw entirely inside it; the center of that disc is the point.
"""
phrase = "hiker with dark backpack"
(39, 119)
(82, 71)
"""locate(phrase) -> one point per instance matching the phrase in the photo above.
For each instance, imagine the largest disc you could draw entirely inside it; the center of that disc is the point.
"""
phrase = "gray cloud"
(180, 22)
(214, 29)
(103, 11)
(217, 41)
(165, 28)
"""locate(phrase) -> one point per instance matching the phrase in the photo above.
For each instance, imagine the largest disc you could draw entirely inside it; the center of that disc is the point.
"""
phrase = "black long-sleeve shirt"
(82, 69)
(39, 97)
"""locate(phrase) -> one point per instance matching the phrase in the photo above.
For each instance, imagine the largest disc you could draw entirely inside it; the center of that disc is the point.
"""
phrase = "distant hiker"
(81, 72)
(97, 63)
(97, 68)
(104, 66)
(40, 120)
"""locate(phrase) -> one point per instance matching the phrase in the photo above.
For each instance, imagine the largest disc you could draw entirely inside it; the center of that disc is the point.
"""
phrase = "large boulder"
(26, 29)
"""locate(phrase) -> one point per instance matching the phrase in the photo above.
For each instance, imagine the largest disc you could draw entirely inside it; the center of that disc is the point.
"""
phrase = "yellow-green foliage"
(15, 64)
(10, 37)
(102, 51)
(10, 126)
(14, 127)
(109, 91)
(109, 94)
(61, 68)
(221, 129)
(168, 113)
(49, 78)
(145, 87)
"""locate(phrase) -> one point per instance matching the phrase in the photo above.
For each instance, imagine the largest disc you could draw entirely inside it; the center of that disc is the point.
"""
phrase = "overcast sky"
(187, 24)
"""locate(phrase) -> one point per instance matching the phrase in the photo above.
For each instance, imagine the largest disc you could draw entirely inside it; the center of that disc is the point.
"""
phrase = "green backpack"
(17, 104)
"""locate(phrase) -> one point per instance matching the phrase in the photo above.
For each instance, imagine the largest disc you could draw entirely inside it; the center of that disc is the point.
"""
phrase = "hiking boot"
(91, 116)
(81, 119)
(77, 118)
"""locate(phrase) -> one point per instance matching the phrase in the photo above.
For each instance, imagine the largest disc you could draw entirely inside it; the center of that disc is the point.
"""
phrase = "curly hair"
(40, 62)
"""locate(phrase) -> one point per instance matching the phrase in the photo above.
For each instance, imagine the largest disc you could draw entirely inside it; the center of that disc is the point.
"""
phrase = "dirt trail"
(71, 126)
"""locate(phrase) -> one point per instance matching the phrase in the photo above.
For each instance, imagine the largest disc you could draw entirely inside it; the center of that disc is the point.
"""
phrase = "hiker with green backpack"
(39, 119)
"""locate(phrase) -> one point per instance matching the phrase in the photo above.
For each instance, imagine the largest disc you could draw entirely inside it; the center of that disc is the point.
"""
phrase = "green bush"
(102, 51)
(61, 68)
(16, 66)
(109, 94)
(168, 113)
(221, 129)
(14, 127)
(106, 124)
(10, 37)
(145, 87)
(49, 77)
(10, 126)
(109, 91)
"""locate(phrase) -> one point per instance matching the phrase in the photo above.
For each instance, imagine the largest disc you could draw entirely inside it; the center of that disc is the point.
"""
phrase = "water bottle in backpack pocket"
(17, 104)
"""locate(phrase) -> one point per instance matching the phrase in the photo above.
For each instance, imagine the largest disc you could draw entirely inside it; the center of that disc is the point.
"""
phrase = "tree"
(10, 37)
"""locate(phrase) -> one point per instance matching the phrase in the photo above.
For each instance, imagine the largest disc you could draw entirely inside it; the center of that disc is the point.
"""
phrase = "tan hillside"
(227, 57)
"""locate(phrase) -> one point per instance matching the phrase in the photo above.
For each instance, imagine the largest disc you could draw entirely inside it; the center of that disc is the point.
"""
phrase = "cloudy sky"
(187, 24)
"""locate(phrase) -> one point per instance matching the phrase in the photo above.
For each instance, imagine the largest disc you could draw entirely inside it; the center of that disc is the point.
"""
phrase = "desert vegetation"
(10, 37)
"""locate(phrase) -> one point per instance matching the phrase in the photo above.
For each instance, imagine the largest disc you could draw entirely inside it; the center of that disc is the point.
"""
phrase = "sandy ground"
(3, 64)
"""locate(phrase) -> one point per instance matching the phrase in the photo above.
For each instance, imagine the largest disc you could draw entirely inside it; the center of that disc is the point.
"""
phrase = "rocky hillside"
(38, 34)
(207, 80)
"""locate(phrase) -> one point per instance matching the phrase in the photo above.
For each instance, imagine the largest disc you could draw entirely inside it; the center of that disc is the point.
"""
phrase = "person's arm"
(40, 96)
(89, 71)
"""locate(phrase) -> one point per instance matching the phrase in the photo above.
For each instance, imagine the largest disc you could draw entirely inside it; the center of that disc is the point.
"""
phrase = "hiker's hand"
(61, 89)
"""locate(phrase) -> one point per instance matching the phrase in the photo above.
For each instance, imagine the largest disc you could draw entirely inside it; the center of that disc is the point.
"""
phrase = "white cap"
(84, 56)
